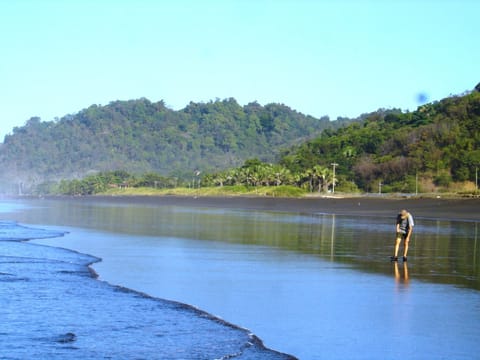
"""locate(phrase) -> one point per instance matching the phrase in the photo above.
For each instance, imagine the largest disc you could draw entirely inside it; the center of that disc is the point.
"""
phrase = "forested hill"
(140, 136)
(436, 146)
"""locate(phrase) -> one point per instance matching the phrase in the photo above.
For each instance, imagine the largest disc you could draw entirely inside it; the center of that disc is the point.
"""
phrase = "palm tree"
(326, 178)
(319, 173)
(309, 175)
(232, 177)
(220, 179)
(297, 179)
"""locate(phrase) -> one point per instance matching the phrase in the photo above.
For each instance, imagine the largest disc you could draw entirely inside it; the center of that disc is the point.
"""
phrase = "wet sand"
(441, 209)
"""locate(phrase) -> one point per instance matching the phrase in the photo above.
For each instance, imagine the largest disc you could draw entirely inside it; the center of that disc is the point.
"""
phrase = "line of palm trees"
(317, 178)
(253, 173)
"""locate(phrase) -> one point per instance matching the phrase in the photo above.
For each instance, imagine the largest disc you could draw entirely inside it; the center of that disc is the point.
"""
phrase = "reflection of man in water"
(404, 232)
(398, 278)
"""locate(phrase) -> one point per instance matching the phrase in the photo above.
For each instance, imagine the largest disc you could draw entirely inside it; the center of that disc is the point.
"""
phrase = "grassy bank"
(271, 191)
(265, 191)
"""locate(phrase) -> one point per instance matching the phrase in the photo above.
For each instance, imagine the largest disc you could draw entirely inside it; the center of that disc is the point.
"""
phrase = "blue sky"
(336, 58)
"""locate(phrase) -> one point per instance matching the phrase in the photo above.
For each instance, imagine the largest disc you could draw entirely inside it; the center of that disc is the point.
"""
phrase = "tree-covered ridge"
(439, 143)
(390, 151)
(433, 148)
(140, 136)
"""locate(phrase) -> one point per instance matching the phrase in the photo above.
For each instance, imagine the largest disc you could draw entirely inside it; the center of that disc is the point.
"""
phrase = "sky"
(335, 58)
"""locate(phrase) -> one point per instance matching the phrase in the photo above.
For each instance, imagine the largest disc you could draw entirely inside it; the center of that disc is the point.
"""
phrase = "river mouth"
(307, 284)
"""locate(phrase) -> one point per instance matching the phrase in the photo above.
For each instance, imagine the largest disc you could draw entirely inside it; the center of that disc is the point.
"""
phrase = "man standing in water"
(404, 231)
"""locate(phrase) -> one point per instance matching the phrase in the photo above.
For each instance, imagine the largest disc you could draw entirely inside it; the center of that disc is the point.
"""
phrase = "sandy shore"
(442, 209)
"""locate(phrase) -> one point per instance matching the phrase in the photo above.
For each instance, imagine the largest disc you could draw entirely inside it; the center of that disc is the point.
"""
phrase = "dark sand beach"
(428, 208)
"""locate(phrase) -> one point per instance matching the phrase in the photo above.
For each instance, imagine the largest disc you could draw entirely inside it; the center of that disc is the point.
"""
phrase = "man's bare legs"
(398, 240)
(405, 247)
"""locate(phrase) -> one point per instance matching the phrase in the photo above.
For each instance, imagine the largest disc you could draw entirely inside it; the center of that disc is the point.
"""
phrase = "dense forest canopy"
(438, 143)
(143, 144)
(140, 136)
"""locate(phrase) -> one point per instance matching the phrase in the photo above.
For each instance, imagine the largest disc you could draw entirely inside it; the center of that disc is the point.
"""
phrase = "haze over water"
(312, 285)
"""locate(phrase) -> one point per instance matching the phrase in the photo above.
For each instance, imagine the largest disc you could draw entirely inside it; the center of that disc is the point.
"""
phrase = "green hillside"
(436, 146)
(139, 136)
(143, 144)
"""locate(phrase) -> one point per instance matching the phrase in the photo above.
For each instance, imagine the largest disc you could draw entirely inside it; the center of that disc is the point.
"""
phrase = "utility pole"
(476, 178)
(197, 174)
(380, 187)
(416, 182)
(334, 164)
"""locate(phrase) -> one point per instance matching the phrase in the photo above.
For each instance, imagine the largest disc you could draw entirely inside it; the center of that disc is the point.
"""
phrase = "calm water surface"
(315, 286)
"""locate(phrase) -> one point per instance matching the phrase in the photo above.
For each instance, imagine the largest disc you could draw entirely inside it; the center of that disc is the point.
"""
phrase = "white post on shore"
(334, 164)
(416, 183)
(197, 174)
(476, 178)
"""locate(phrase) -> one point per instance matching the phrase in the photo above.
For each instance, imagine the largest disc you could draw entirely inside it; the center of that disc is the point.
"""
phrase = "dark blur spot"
(422, 98)
(66, 338)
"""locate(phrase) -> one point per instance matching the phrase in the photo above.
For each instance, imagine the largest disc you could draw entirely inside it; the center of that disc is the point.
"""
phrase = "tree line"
(435, 147)
(140, 136)
(102, 181)
(253, 173)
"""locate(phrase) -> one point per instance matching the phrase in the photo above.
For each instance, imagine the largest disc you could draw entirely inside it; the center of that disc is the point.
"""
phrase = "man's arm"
(410, 226)
(397, 227)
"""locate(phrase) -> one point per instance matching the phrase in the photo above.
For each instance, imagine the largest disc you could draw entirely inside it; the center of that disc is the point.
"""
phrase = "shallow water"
(52, 308)
(316, 286)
